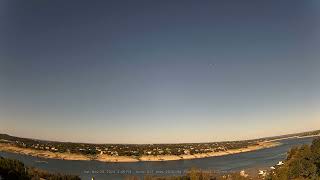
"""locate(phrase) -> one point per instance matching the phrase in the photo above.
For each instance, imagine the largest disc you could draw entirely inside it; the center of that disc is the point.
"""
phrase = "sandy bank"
(107, 158)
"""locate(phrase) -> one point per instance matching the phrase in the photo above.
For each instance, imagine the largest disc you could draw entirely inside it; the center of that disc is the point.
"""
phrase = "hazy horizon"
(65, 141)
(158, 71)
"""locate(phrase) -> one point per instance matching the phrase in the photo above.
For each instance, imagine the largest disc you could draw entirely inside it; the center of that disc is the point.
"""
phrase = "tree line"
(301, 163)
(11, 169)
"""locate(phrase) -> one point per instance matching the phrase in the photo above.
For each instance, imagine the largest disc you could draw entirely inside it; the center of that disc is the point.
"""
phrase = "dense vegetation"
(125, 149)
(301, 163)
(12, 169)
(137, 150)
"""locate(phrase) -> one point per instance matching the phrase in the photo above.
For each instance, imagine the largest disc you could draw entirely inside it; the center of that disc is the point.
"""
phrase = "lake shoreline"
(294, 137)
(107, 158)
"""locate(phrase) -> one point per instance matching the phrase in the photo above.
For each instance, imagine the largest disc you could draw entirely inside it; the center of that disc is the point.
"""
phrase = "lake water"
(260, 159)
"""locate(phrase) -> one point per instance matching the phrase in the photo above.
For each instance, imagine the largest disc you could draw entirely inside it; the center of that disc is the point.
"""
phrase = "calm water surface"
(261, 159)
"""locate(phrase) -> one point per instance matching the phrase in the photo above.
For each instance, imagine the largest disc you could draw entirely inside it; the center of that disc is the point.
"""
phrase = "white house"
(280, 163)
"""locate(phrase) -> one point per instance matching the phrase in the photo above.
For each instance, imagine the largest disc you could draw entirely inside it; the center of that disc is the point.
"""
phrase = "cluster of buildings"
(130, 149)
(37, 146)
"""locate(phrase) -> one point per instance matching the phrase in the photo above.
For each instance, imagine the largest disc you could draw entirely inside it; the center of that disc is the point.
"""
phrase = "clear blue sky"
(158, 71)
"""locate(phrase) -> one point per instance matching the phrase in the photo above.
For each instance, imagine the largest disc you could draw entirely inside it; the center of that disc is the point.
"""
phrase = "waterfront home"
(280, 163)
(262, 173)
(114, 153)
(243, 174)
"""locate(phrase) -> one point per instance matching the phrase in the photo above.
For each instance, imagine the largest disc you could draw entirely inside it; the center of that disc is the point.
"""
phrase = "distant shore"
(291, 137)
(108, 158)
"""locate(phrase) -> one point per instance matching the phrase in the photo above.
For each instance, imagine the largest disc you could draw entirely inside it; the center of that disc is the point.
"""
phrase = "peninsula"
(136, 152)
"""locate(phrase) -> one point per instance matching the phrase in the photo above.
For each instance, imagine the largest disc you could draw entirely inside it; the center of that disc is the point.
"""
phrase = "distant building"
(243, 174)
(262, 173)
(280, 163)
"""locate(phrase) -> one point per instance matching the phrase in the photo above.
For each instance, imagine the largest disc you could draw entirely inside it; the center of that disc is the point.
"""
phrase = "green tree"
(315, 148)
(301, 163)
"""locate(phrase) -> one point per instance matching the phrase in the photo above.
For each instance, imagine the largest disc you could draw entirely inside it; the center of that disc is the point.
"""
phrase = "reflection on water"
(86, 169)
